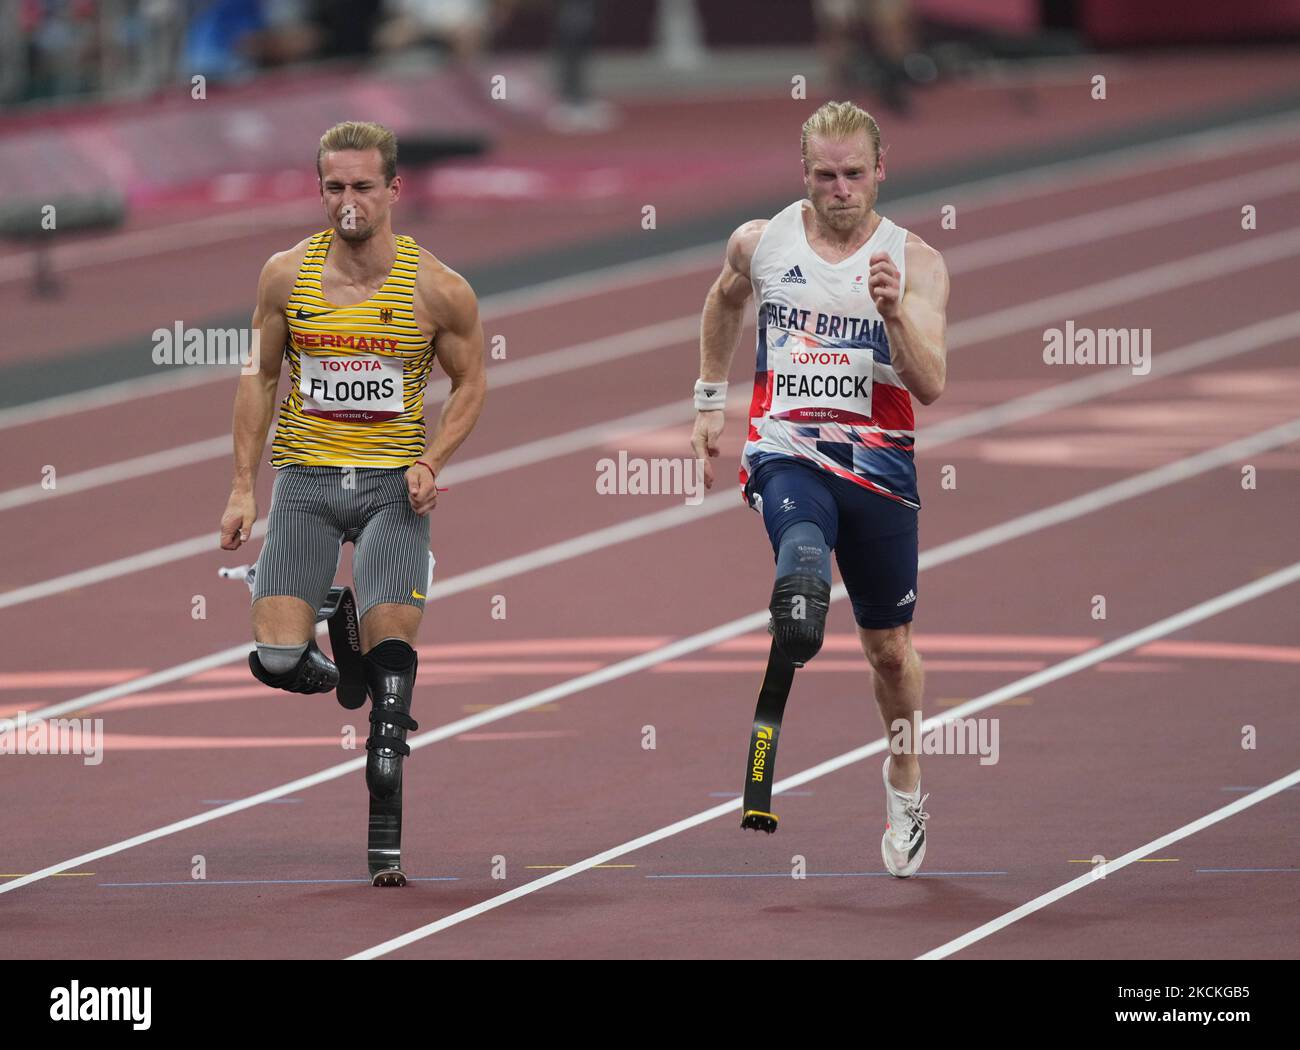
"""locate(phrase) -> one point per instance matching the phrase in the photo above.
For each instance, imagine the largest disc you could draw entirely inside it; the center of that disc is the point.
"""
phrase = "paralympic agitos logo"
(762, 745)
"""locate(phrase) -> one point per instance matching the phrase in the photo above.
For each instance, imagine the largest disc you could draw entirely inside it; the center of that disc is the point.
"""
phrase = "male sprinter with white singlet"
(360, 314)
(850, 323)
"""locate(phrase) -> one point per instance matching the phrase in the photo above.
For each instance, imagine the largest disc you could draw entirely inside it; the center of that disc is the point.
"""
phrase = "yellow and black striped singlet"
(357, 373)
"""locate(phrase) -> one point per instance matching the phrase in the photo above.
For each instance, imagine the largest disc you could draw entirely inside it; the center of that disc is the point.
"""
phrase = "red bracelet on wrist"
(426, 467)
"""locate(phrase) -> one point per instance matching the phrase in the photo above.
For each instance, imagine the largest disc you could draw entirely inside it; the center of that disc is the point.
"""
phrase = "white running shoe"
(903, 847)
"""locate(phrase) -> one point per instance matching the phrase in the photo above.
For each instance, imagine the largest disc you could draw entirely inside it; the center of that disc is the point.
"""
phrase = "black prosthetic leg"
(390, 678)
(799, 606)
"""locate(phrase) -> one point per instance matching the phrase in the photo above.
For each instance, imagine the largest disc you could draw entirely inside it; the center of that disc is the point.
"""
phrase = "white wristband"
(710, 397)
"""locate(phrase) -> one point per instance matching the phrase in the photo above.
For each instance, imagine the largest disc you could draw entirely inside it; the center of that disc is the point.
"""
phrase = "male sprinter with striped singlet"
(360, 314)
(851, 320)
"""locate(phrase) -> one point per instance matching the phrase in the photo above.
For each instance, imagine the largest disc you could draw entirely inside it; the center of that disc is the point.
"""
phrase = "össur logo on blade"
(762, 745)
(360, 388)
(75, 1003)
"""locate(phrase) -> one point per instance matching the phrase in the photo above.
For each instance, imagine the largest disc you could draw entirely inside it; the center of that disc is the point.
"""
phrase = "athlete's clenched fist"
(237, 521)
(421, 487)
(883, 284)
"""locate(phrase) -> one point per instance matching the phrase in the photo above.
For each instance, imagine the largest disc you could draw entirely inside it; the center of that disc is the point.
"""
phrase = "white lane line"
(1129, 162)
(150, 681)
(219, 446)
(1047, 178)
(996, 324)
(1120, 491)
(1124, 219)
(674, 413)
(560, 361)
(1112, 866)
(1051, 178)
(553, 554)
(1056, 177)
(645, 525)
(110, 394)
(1165, 363)
(1142, 284)
(119, 567)
(579, 546)
(155, 240)
(1100, 225)
(457, 473)
(987, 538)
(1100, 654)
(991, 251)
(993, 325)
(122, 470)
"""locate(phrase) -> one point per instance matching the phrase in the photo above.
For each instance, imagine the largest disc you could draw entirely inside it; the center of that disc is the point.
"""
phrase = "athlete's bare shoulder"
(444, 294)
(922, 253)
(742, 244)
(280, 273)
(733, 284)
(926, 271)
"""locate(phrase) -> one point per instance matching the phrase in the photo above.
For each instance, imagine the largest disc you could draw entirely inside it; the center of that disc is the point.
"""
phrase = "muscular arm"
(459, 346)
(451, 304)
(720, 324)
(917, 325)
(724, 307)
(255, 397)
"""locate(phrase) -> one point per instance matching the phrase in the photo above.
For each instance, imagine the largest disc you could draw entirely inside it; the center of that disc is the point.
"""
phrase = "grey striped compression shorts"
(315, 510)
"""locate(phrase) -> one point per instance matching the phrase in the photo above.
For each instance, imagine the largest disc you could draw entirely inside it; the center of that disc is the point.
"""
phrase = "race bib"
(359, 388)
(818, 384)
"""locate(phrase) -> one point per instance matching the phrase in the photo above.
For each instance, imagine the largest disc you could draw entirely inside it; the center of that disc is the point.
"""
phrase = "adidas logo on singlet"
(794, 275)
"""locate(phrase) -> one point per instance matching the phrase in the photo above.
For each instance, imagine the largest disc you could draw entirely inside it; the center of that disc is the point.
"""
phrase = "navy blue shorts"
(874, 538)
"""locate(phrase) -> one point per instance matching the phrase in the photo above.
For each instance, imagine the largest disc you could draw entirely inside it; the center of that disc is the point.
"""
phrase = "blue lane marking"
(1293, 871)
(224, 801)
(826, 875)
(268, 882)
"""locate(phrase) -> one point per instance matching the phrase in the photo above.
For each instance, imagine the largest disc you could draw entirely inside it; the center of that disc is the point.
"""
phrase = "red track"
(1097, 763)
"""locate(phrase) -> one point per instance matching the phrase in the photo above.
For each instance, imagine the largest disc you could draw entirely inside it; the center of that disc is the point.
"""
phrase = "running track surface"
(528, 192)
(1094, 764)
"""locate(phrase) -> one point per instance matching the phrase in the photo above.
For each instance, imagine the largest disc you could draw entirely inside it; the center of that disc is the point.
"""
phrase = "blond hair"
(840, 120)
(360, 135)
